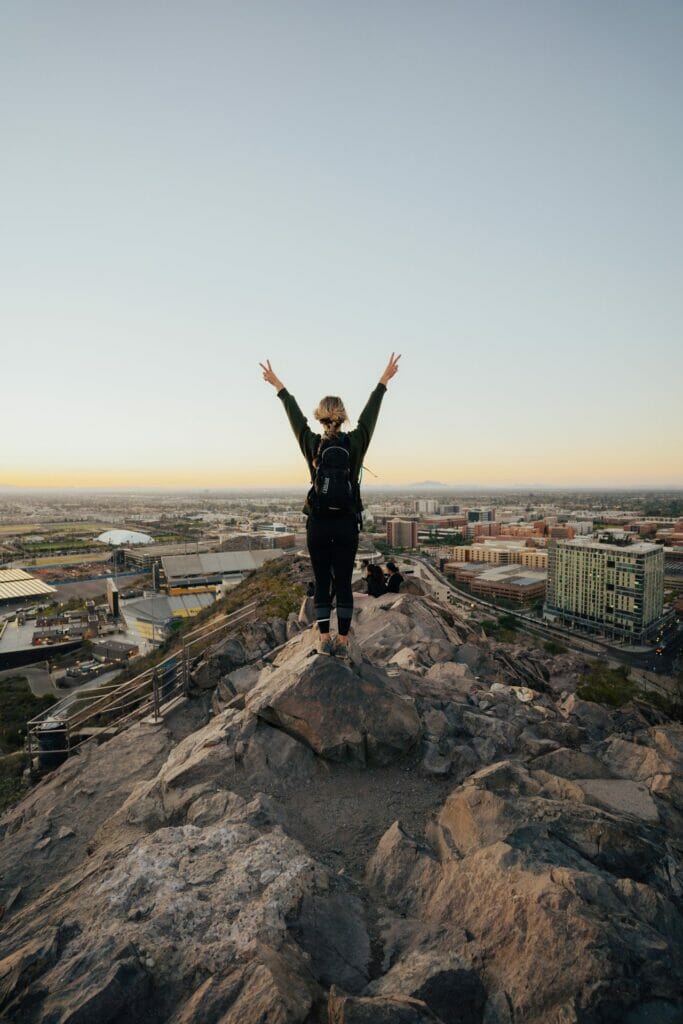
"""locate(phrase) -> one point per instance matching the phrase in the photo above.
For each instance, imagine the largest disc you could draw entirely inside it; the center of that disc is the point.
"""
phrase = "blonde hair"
(331, 408)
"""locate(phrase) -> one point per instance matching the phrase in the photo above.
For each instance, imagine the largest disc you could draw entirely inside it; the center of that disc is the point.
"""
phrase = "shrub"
(502, 630)
(604, 685)
(17, 706)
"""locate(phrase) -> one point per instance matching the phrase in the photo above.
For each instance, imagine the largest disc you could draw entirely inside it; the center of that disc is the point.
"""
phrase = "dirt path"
(342, 812)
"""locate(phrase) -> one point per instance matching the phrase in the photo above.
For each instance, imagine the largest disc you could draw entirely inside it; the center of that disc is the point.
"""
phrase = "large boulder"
(595, 719)
(385, 625)
(248, 644)
(343, 711)
(621, 795)
(572, 764)
(470, 655)
(235, 747)
(656, 761)
(54, 827)
(453, 991)
(563, 910)
(451, 680)
(190, 924)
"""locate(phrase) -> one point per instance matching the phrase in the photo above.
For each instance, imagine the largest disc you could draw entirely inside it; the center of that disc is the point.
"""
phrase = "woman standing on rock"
(333, 505)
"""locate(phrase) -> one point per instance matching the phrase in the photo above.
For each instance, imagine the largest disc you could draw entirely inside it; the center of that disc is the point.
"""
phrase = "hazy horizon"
(369, 488)
(492, 190)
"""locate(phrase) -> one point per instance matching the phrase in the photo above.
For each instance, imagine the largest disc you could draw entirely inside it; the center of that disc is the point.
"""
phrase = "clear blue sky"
(493, 189)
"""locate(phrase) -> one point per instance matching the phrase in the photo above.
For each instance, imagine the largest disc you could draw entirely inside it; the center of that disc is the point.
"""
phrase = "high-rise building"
(401, 534)
(113, 597)
(426, 506)
(561, 532)
(581, 527)
(484, 529)
(481, 515)
(613, 589)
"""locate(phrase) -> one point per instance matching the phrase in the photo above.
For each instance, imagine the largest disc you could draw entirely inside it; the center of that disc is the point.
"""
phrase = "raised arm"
(368, 418)
(391, 369)
(306, 438)
(270, 376)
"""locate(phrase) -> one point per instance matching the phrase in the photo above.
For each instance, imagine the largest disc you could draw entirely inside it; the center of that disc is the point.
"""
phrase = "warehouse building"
(214, 568)
(152, 617)
(512, 582)
(17, 585)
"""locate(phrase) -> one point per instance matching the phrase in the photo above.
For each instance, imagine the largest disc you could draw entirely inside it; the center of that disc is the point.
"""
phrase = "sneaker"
(326, 647)
(341, 650)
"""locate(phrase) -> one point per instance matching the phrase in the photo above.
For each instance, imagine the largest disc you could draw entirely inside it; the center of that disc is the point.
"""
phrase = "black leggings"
(332, 545)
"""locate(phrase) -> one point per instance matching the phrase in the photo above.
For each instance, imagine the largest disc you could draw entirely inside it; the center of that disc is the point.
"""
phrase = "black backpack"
(332, 487)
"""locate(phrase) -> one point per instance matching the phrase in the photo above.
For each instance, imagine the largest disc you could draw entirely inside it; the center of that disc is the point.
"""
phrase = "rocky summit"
(434, 830)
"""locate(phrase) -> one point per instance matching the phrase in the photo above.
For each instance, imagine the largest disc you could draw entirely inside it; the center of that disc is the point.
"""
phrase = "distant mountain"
(429, 483)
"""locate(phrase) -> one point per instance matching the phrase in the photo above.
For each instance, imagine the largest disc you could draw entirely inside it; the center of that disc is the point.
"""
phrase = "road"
(38, 678)
(42, 684)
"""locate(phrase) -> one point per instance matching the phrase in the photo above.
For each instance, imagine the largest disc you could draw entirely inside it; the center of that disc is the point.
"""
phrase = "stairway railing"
(64, 727)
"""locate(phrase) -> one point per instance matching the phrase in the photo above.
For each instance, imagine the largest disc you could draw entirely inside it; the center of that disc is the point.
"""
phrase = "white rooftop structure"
(497, 542)
(513, 573)
(218, 564)
(16, 584)
(124, 537)
(638, 548)
(159, 610)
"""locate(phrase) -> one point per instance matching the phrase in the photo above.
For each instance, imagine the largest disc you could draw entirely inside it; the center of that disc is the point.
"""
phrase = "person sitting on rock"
(333, 505)
(394, 578)
(375, 580)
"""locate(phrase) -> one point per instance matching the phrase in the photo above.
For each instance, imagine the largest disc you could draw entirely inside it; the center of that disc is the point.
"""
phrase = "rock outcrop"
(347, 712)
(426, 834)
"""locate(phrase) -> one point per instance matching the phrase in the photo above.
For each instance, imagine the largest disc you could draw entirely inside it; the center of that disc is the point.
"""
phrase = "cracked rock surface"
(430, 833)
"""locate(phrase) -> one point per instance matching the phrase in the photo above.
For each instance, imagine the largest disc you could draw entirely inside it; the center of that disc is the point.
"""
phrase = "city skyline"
(493, 192)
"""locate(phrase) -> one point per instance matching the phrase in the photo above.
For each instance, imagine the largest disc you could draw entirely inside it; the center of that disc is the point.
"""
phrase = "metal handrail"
(149, 691)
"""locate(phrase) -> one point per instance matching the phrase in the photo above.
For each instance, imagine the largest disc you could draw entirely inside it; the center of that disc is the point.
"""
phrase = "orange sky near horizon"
(660, 469)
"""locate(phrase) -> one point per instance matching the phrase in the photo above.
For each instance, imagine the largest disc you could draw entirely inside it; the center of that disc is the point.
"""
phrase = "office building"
(581, 527)
(401, 534)
(561, 532)
(614, 589)
(532, 558)
(673, 569)
(477, 530)
(507, 581)
(521, 585)
(112, 597)
(502, 553)
(481, 515)
(426, 506)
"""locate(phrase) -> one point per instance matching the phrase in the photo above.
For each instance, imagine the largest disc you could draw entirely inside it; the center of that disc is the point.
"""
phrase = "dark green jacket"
(359, 439)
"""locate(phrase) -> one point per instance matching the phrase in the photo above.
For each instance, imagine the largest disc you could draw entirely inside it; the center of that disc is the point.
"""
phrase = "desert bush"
(605, 685)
